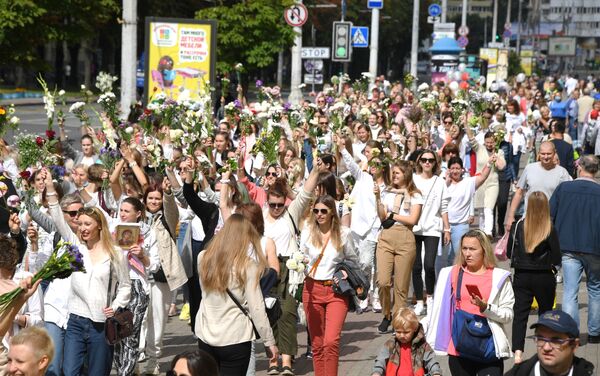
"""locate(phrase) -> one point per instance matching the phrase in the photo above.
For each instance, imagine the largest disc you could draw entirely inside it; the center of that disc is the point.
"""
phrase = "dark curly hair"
(9, 256)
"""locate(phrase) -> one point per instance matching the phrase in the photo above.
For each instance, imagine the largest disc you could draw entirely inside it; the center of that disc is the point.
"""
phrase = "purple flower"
(237, 104)
(329, 100)
(287, 106)
(259, 83)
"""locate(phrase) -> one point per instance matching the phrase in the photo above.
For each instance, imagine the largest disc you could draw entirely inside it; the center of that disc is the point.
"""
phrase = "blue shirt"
(575, 211)
(558, 109)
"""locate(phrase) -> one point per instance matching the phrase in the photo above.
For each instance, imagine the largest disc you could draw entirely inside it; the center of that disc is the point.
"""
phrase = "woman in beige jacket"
(232, 311)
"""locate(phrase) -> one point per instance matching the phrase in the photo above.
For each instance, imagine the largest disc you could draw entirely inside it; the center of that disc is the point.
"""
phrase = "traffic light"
(498, 39)
(342, 45)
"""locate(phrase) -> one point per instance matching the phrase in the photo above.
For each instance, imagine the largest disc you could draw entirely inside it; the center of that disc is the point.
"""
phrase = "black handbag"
(120, 325)
(389, 221)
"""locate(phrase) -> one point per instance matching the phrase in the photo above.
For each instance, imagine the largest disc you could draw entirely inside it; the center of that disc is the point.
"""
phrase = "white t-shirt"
(461, 194)
(279, 231)
(389, 198)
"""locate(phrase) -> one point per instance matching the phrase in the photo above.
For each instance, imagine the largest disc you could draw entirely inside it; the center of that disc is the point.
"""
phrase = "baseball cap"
(559, 321)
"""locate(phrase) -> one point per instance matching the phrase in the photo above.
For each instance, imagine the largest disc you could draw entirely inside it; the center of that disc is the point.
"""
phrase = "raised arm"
(480, 179)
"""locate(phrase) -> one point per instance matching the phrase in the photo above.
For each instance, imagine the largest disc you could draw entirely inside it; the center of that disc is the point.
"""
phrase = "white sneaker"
(142, 357)
(364, 305)
(420, 309)
(376, 305)
(429, 302)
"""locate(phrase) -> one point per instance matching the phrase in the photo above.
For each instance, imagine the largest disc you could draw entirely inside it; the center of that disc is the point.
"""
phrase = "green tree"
(251, 32)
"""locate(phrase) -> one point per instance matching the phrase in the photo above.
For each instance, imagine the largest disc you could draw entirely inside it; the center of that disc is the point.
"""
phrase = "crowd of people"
(269, 217)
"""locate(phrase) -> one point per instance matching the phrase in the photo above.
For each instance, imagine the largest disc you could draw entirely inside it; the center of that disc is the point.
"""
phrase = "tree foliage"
(251, 32)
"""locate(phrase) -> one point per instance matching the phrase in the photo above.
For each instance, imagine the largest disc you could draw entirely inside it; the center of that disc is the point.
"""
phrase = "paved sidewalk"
(360, 343)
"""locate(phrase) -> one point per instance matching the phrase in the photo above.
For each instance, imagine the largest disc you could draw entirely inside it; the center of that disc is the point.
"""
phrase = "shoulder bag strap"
(314, 267)
(430, 189)
(459, 284)
(293, 224)
(244, 311)
(512, 250)
(109, 284)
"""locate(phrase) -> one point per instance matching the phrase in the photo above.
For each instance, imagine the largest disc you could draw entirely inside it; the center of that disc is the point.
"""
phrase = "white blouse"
(331, 255)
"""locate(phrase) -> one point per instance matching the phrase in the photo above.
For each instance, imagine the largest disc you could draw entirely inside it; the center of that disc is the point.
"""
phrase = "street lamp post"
(415, 39)
(128, 55)
(374, 45)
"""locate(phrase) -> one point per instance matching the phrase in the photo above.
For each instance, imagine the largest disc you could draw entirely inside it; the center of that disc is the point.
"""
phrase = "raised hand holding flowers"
(65, 260)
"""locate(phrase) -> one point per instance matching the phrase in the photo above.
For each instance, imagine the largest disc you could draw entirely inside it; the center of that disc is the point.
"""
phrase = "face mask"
(557, 99)
(169, 75)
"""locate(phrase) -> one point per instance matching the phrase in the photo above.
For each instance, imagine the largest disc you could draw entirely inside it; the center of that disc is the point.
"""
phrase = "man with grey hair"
(584, 103)
(575, 211)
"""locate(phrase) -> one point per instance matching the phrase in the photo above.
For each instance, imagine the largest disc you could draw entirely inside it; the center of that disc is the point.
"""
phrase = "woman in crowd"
(433, 225)
(481, 291)
(161, 215)
(193, 363)
(325, 244)
(534, 251)
(232, 309)
(142, 258)
(84, 337)
(461, 191)
(399, 209)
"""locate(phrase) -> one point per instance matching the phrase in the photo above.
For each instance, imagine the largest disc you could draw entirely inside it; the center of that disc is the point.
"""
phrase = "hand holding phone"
(474, 290)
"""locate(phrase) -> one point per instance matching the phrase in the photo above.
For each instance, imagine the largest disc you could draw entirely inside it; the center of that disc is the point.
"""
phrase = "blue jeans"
(58, 338)
(573, 266)
(456, 233)
(85, 337)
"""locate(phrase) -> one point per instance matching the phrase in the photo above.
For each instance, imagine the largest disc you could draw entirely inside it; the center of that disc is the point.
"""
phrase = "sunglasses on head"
(322, 211)
(276, 205)
(427, 160)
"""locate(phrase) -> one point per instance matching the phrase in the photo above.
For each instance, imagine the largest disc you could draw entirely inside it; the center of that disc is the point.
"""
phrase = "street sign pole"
(415, 40)
(295, 92)
(374, 45)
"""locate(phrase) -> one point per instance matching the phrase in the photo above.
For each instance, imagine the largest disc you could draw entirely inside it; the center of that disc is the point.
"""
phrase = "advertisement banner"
(491, 56)
(502, 68)
(180, 56)
(527, 61)
(562, 46)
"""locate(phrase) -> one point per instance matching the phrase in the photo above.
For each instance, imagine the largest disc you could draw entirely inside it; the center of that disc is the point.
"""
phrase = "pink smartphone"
(474, 290)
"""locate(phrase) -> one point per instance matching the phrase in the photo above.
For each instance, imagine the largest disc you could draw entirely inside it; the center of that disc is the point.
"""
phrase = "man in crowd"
(556, 338)
(543, 176)
(564, 150)
(575, 209)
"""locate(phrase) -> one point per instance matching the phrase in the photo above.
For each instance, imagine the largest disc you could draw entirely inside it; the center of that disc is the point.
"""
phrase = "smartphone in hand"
(474, 290)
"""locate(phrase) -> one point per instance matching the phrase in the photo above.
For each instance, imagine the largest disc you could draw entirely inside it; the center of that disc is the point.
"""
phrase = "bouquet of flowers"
(267, 143)
(108, 102)
(78, 109)
(296, 262)
(65, 260)
(105, 81)
(34, 150)
(49, 101)
(8, 120)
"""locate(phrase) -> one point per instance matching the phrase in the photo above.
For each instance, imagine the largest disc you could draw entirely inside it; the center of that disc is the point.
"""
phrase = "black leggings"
(502, 205)
(528, 284)
(232, 360)
(465, 367)
(431, 248)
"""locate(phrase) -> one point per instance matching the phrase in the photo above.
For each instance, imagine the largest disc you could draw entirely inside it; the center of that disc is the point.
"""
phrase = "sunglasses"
(273, 174)
(86, 211)
(427, 160)
(325, 123)
(448, 122)
(71, 213)
(276, 205)
(321, 211)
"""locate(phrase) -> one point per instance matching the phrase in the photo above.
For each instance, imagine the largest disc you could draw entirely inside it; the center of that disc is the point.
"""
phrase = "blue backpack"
(471, 334)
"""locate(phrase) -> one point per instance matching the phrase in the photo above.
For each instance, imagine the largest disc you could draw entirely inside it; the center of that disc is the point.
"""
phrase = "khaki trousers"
(396, 252)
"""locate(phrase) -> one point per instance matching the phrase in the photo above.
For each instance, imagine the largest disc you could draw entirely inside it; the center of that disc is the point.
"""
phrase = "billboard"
(562, 46)
(180, 56)
(491, 56)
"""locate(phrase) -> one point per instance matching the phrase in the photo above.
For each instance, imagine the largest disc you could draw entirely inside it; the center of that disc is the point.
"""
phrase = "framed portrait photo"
(127, 235)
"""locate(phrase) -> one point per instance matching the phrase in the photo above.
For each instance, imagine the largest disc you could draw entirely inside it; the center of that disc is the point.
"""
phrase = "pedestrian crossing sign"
(360, 36)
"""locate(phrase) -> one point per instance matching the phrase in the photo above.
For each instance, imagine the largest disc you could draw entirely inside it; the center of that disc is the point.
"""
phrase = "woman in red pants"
(325, 244)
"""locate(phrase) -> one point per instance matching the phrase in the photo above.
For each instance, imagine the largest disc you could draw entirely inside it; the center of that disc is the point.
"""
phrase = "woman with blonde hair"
(96, 294)
(232, 311)
(399, 209)
(473, 294)
(534, 250)
(325, 243)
